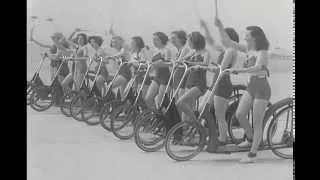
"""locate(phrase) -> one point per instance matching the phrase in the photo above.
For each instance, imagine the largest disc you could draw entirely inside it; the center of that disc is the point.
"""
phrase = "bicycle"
(129, 97)
(125, 116)
(197, 133)
(171, 117)
(35, 80)
(43, 96)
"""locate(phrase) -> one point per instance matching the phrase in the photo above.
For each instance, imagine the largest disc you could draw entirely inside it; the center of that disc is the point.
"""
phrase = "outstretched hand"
(218, 22)
(203, 24)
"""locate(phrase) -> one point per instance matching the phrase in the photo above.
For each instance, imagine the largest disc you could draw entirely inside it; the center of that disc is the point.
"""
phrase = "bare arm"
(209, 38)
(261, 61)
(225, 39)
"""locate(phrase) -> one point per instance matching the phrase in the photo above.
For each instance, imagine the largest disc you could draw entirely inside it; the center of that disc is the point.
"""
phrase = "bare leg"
(160, 95)
(259, 107)
(185, 103)
(120, 82)
(242, 111)
(220, 105)
(100, 84)
(151, 94)
(65, 83)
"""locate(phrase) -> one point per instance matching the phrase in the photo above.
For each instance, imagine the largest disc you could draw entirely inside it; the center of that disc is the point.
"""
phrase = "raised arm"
(225, 39)
(37, 42)
(210, 40)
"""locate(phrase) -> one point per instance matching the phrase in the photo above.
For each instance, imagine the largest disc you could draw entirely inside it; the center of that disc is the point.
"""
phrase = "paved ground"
(60, 148)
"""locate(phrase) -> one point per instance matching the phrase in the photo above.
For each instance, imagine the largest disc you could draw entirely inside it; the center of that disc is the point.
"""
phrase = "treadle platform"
(230, 149)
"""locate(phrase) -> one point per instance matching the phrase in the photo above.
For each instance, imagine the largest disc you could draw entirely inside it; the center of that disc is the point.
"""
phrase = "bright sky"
(143, 17)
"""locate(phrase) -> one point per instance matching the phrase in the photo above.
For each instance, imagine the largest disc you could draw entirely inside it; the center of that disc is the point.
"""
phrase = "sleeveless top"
(81, 66)
(196, 75)
(250, 61)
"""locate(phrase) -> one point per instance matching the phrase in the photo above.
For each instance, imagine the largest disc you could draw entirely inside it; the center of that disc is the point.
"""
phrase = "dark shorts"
(224, 87)
(103, 72)
(197, 79)
(140, 78)
(162, 76)
(259, 88)
(125, 72)
(177, 78)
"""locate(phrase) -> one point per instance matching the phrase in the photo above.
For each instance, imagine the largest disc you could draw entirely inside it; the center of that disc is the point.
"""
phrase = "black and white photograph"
(160, 89)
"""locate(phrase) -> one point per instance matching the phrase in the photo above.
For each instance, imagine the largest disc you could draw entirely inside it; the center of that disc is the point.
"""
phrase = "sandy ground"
(60, 148)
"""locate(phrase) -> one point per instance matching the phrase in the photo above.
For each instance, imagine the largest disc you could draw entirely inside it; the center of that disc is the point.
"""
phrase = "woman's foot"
(250, 158)
(245, 144)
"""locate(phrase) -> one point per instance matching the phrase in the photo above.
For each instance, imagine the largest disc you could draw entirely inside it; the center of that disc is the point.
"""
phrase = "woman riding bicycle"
(124, 74)
(179, 41)
(223, 91)
(196, 80)
(79, 67)
(157, 87)
(139, 54)
(258, 90)
(96, 42)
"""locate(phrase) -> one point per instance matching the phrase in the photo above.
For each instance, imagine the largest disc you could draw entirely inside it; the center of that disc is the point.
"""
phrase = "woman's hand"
(203, 24)
(218, 22)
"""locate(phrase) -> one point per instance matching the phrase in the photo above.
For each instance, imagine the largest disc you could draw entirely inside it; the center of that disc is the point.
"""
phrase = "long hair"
(261, 40)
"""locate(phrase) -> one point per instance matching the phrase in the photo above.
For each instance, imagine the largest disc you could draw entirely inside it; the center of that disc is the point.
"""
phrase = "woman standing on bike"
(258, 89)
(196, 81)
(223, 91)
(159, 82)
(179, 41)
(96, 42)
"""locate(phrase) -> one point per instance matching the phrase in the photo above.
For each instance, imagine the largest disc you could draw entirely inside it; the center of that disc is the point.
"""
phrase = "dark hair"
(198, 41)
(162, 36)
(261, 40)
(232, 34)
(139, 41)
(181, 35)
(97, 39)
(85, 37)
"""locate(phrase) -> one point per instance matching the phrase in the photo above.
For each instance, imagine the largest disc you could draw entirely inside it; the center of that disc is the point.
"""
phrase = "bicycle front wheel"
(281, 133)
(185, 141)
(123, 120)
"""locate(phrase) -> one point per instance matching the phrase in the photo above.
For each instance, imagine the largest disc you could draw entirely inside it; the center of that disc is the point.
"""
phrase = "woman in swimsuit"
(258, 90)
(223, 91)
(196, 80)
(96, 42)
(159, 82)
(124, 74)
(179, 41)
(79, 67)
(139, 54)
(60, 47)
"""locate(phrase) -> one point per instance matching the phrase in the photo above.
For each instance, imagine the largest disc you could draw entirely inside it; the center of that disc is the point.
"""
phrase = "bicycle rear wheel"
(41, 101)
(66, 101)
(281, 133)
(105, 116)
(29, 92)
(185, 141)
(91, 111)
(150, 133)
(123, 120)
(76, 107)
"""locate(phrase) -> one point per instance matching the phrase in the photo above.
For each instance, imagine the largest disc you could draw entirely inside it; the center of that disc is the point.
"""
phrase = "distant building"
(282, 54)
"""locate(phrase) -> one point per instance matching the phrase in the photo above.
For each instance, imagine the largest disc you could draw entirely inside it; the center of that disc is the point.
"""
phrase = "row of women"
(193, 48)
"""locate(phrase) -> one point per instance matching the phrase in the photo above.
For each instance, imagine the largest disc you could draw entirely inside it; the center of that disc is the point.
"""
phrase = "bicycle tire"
(65, 107)
(271, 133)
(194, 126)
